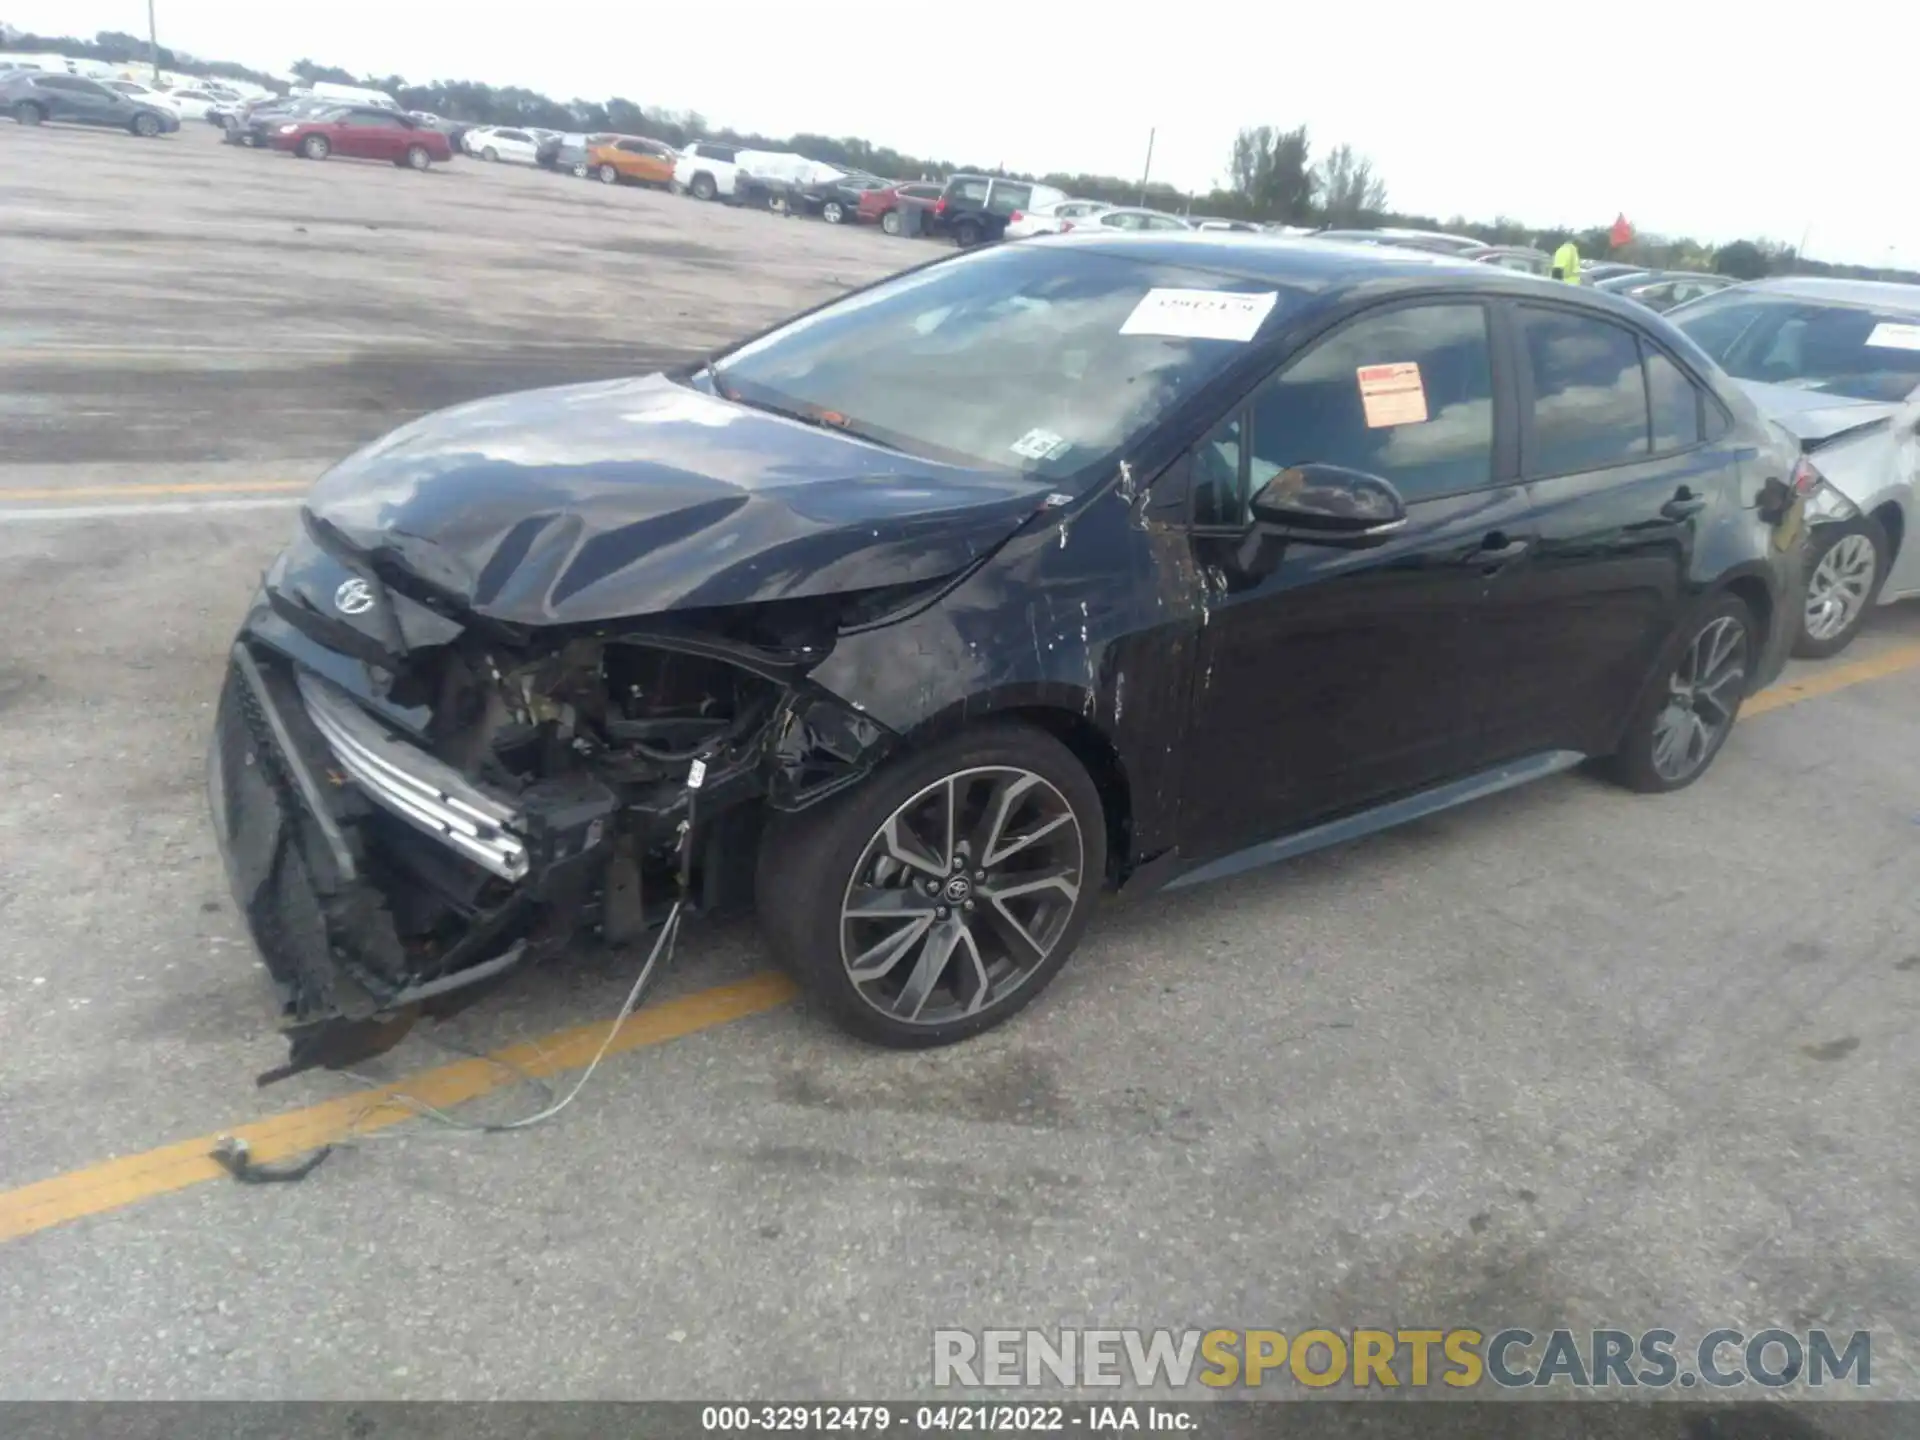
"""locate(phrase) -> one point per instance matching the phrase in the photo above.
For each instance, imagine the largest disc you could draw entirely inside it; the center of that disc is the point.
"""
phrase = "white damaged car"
(1837, 362)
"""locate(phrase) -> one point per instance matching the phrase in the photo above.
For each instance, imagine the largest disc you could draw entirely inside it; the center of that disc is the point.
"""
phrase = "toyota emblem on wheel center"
(354, 597)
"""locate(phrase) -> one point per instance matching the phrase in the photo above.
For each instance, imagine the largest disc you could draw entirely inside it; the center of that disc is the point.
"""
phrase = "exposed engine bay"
(401, 828)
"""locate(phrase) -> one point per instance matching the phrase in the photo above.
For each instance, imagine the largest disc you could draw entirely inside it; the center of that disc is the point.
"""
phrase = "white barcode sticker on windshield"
(1200, 314)
(1889, 336)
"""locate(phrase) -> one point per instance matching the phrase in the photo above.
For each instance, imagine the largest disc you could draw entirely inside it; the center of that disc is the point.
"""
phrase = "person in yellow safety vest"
(1566, 263)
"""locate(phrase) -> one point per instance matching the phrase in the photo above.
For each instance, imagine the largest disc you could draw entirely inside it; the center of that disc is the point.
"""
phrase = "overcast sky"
(1690, 123)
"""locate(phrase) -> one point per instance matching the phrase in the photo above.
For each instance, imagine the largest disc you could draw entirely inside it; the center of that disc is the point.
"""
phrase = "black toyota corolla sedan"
(1126, 561)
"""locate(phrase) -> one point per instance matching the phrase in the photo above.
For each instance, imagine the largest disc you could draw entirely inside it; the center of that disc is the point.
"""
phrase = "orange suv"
(629, 157)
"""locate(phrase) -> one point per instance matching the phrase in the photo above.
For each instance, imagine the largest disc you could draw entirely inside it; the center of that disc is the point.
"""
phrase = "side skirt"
(1385, 817)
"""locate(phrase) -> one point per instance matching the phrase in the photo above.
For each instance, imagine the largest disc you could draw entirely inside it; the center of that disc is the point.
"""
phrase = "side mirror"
(1329, 505)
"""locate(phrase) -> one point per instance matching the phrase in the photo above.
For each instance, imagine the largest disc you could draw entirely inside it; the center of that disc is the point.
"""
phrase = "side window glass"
(972, 192)
(1589, 401)
(1406, 395)
(1674, 402)
(1218, 479)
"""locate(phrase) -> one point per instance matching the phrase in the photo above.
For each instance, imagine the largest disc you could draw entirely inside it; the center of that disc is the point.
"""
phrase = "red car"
(882, 206)
(366, 134)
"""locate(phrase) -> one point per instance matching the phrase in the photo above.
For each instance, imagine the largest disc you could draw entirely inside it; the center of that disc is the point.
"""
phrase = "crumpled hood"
(1813, 415)
(595, 502)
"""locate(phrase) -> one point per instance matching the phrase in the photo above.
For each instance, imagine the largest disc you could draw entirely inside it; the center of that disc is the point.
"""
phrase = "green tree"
(1349, 190)
(1742, 260)
(1270, 172)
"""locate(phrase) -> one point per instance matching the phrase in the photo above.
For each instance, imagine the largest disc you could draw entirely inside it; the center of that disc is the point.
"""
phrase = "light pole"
(153, 44)
(1148, 170)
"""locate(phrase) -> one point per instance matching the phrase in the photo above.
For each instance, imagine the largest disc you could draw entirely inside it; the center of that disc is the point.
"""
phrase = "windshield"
(1017, 357)
(1848, 350)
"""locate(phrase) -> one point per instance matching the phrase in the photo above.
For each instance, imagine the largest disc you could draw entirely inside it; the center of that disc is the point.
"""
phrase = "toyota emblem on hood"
(354, 597)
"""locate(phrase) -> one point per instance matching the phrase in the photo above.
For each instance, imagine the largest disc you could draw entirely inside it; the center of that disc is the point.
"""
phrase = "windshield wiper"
(819, 418)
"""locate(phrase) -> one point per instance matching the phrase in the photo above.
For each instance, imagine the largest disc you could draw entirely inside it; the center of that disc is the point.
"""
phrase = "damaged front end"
(412, 800)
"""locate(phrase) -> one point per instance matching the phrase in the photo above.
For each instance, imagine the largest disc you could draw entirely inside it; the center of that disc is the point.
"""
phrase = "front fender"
(1086, 614)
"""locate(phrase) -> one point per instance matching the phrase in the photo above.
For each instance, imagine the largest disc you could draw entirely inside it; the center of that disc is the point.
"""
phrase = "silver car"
(1837, 362)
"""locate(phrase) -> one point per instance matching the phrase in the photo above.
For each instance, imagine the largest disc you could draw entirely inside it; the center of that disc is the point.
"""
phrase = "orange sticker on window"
(1393, 395)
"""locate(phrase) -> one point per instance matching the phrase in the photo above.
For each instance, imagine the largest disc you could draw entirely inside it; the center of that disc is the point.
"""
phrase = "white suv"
(706, 169)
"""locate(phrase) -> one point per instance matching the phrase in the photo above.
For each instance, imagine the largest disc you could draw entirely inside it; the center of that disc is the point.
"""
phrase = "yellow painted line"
(1830, 678)
(9, 494)
(118, 1183)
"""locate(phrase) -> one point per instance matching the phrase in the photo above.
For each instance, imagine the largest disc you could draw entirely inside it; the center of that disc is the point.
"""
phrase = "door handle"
(1683, 504)
(1498, 549)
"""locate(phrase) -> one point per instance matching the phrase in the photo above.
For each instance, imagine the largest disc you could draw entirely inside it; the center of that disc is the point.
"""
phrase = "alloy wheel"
(1840, 585)
(1703, 694)
(961, 895)
(832, 213)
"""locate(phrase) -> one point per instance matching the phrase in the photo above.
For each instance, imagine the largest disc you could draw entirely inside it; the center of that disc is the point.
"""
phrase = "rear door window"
(1674, 402)
(1589, 396)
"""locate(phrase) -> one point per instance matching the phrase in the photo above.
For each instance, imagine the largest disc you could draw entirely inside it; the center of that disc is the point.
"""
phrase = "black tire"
(967, 234)
(28, 113)
(315, 147)
(1637, 764)
(418, 158)
(833, 212)
(1839, 549)
(809, 863)
(890, 222)
(489, 153)
(703, 188)
(145, 126)
(609, 175)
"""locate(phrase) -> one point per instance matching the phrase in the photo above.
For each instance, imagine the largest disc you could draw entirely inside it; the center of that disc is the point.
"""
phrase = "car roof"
(1883, 294)
(1331, 269)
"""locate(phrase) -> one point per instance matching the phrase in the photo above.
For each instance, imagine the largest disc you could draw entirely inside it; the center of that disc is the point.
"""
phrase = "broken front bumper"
(306, 788)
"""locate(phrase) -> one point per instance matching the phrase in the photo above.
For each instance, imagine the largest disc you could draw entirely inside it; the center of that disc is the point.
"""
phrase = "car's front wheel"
(1686, 715)
(28, 113)
(967, 234)
(315, 147)
(1845, 566)
(609, 175)
(833, 212)
(146, 126)
(703, 188)
(418, 158)
(938, 898)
